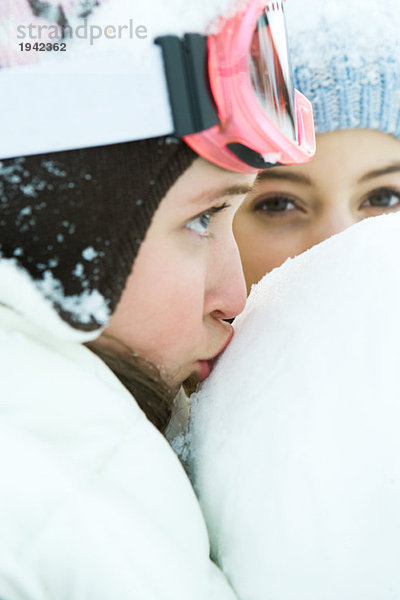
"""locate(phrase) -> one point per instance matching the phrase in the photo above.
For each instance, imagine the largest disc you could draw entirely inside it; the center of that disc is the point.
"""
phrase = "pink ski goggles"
(232, 94)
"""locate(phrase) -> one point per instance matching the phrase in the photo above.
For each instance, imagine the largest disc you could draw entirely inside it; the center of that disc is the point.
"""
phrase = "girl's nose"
(226, 289)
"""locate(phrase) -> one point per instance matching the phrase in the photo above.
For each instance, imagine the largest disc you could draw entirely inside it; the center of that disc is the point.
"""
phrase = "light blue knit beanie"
(346, 59)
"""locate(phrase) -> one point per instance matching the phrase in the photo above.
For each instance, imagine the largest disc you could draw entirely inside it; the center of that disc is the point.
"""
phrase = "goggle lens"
(270, 69)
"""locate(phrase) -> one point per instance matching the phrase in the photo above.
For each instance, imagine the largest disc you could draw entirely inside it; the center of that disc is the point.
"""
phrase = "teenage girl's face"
(355, 174)
(187, 276)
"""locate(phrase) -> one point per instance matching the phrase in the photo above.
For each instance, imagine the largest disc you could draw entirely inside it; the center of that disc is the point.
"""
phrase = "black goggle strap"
(185, 63)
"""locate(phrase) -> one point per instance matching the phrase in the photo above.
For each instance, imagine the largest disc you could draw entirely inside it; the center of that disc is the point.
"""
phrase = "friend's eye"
(385, 198)
(275, 204)
(201, 223)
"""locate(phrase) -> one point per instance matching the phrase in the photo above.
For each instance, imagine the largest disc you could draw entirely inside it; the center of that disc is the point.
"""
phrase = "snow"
(21, 292)
(28, 190)
(24, 212)
(53, 169)
(89, 253)
(272, 157)
(50, 13)
(152, 18)
(177, 17)
(88, 306)
(29, 184)
(11, 173)
(78, 271)
(344, 21)
(362, 76)
(294, 439)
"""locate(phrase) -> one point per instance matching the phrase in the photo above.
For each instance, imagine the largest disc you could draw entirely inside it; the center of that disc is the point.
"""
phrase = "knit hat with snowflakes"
(74, 220)
(346, 60)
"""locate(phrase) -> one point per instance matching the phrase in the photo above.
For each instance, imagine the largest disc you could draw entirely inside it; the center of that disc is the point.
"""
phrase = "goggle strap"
(186, 70)
(63, 105)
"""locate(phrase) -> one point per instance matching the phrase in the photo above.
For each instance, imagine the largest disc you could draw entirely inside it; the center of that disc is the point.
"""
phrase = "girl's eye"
(200, 224)
(275, 204)
(383, 199)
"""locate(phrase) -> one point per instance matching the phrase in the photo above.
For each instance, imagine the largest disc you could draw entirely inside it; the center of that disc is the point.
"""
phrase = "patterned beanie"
(346, 59)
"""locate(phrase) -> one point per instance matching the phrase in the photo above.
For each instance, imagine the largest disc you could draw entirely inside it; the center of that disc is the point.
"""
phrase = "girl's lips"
(205, 366)
(228, 341)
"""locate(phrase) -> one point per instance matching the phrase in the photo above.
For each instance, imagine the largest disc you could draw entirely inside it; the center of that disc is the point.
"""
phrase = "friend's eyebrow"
(394, 168)
(287, 175)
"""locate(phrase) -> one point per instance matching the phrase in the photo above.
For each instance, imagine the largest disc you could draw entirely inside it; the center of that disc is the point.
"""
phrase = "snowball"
(294, 445)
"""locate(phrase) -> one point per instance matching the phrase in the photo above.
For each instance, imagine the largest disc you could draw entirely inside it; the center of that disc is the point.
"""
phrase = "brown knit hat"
(75, 220)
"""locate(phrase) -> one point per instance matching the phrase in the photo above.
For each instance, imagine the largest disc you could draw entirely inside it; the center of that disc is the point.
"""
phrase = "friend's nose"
(226, 288)
(330, 223)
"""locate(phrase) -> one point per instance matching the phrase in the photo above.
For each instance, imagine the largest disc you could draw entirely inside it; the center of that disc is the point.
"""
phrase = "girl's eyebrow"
(393, 168)
(232, 190)
(286, 175)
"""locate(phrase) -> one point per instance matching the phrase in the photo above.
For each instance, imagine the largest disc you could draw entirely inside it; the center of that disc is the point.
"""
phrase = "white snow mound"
(294, 439)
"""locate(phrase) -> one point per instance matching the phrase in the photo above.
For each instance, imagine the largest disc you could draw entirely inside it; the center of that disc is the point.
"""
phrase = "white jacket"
(93, 503)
